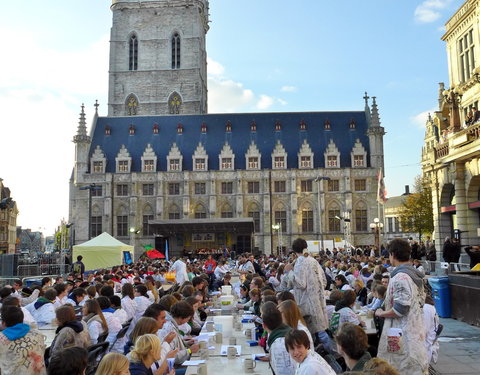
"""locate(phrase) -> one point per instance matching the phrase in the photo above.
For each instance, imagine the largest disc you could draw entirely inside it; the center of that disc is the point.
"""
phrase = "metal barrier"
(41, 270)
(436, 269)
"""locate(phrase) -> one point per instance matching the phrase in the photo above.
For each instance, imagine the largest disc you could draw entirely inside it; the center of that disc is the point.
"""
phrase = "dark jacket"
(138, 368)
(451, 252)
(474, 256)
(361, 362)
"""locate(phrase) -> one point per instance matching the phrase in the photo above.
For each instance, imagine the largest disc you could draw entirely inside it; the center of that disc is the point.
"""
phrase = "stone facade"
(8, 221)
(392, 228)
(451, 152)
(297, 169)
(142, 78)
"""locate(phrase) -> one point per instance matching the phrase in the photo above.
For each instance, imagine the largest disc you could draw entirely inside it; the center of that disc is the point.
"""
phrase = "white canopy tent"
(101, 252)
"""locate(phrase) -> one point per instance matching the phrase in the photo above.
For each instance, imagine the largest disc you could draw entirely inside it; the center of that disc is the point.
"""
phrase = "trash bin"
(441, 295)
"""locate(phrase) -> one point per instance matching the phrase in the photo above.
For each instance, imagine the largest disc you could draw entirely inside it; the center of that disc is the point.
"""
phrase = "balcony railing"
(458, 140)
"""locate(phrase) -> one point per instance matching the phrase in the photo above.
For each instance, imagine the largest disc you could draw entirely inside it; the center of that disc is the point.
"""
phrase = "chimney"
(407, 190)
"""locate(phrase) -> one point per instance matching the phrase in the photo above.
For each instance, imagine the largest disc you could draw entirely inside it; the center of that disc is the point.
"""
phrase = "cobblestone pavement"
(459, 349)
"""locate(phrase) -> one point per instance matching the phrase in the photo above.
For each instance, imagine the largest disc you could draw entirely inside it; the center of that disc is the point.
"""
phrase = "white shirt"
(314, 364)
(180, 269)
(142, 304)
(129, 305)
(44, 315)
(431, 321)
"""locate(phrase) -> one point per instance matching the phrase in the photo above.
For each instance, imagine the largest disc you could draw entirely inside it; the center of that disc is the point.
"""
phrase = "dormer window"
(278, 126)
(200, 164)
(305, 162)
(155, 128)
(358, 161)
(227, 163)
(98, 167)
(204, 128)
(327, 125)
(131, 130)
(123, 165)
(352, 124)
(179, 129)
(303, 125)
(174, 165)
(228, 127)
(107, 130)
(279, 162)
(332, 161)
(253, 162)
(148, 165)
(253, 126)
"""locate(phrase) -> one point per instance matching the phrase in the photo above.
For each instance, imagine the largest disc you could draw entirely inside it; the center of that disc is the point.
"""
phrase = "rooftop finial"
(81, 135)
(375, 117)
(96, 106)
(366, 97)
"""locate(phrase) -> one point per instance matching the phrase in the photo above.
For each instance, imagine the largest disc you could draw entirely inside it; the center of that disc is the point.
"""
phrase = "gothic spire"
(81, 135)
(375, 117)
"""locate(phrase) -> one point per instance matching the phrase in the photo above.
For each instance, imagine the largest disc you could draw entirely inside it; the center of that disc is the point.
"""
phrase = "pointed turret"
(375, 135)
(82, 145)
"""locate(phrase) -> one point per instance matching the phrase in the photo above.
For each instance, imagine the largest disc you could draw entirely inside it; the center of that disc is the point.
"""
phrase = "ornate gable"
(279, 157)
(123, 161)
(332, 155)
(358, 155)
(98, 161)
(149, 159)
(226, 159)
(174, 159)
(200, 158)
(253, 158)
(305, 156)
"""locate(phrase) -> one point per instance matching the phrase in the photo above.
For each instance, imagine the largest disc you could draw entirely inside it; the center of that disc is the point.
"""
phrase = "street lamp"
(278, 228)
(318, 180)
(376, 226)
(90, 188)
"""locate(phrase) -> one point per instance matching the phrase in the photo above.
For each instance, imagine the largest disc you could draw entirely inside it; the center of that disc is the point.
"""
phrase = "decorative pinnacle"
(375, 116)
(81, 135)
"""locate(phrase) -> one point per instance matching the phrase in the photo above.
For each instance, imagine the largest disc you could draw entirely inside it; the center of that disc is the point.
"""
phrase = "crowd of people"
(307, 306)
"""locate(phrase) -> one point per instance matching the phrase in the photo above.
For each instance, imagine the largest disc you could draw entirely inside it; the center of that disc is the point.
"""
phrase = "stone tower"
(158, 58)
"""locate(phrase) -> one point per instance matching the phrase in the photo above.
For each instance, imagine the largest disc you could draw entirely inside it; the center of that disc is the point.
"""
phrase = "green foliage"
(417, 214)
(61, 237)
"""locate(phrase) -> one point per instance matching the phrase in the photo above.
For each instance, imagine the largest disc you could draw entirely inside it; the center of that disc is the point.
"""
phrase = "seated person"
(309, 362)
(68, 361)
(43, 309)
(378, 297)
(352, 345)
(280, 360)
(345, 309)
(21, 347)
(27, 317)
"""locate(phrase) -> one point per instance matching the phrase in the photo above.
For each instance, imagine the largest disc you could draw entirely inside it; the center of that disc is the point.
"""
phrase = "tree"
(417, 213)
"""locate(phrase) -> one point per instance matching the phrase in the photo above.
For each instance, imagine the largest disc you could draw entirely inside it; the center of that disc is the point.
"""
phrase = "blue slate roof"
(239, 139)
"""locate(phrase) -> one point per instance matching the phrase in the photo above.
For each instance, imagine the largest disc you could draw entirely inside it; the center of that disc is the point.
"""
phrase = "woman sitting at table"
(292, 317)
(362, 292)
(255, 300)
(145, 352)
(141, 300)
(128, 302)
(113, 364)
(96, 322)
(142, 327)
(345, 309)
(70, 331)
(113, 324)
(195, 322)
(76, 297)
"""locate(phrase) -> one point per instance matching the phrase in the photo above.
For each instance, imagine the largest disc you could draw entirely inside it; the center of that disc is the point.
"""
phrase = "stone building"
(451, 151)
(159, 169)
(8, 221)
(392, 208)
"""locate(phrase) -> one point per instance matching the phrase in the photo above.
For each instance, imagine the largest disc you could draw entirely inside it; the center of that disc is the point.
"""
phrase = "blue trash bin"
(441, 295)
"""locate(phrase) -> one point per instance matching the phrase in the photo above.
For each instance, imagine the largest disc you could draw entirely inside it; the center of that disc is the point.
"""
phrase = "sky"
(263, 55)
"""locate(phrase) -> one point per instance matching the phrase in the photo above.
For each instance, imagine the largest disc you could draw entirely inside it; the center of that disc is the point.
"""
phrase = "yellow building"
(451, 151)
(8, 221)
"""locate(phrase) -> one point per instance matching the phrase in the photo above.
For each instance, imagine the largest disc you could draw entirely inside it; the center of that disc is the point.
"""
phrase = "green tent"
(103, 251)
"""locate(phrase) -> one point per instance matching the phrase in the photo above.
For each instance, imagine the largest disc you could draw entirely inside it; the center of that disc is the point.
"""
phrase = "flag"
(381, 192)
(166, 248)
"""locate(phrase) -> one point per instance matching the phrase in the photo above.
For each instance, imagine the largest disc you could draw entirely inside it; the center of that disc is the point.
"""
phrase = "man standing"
(308, 281)
(78, 267)
(402, 343)
(180, 269)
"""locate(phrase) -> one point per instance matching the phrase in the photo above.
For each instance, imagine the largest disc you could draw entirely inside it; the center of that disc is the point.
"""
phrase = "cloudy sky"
(304, 55)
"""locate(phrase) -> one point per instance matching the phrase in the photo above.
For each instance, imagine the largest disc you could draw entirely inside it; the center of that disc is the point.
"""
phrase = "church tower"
(158, 58)
(375, 134)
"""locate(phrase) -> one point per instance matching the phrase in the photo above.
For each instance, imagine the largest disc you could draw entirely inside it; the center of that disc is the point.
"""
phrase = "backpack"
(77, 268)
(334, 323)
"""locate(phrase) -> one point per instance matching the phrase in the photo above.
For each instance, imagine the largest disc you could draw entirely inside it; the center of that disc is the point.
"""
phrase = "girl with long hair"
(96, 322)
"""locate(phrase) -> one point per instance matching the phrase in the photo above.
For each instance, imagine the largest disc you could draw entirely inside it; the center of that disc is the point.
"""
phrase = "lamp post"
(318, 180)
(90, 188)
(134, 232)
(376, 226)
(278, 228)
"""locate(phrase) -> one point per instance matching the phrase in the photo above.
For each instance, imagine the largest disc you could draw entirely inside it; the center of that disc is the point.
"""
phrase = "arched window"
(334, 217)
(254, 213)
(133, 53)
(200, 212)
(176, 51)
(174, 212)
(96, 222)
(227, 211)
(147, 230)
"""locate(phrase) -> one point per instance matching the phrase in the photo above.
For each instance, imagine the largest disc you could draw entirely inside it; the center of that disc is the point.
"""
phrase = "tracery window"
(176, 51)
(133, 53)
